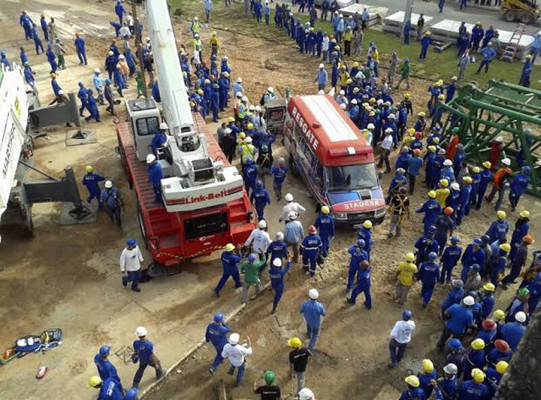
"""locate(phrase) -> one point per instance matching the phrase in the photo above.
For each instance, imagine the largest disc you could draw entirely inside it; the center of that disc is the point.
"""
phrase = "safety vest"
(247, 151)
(242, 110)
(195, 27)
(197, 42)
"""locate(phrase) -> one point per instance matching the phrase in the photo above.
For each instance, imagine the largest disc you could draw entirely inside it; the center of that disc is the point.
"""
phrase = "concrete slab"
(393, 23)
(448, 28)
(376, 14)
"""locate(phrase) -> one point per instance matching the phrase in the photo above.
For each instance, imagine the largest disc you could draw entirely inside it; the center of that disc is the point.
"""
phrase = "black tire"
(526, 18)
(510, 16)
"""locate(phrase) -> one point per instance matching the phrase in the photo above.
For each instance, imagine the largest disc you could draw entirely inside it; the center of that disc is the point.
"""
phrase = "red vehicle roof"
(329, 131)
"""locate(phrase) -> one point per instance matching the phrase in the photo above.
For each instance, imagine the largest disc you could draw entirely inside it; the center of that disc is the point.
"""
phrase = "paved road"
(488, 16)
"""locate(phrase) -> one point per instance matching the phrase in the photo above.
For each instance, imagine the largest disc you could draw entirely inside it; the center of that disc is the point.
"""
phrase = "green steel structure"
(510, 111)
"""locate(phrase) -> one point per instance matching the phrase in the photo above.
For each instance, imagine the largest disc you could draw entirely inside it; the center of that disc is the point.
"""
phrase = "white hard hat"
(447, 163)
(121, 57)
(391, 116)
(343, 106)
(379, 102)
(234, 338)
(151, 158)
(389, 130)
(60, 91)
(262, 224)
(239, 79)
(321, 65)
(277, 262)
(520, 316)
(257, 108)
(163, 126)
(108, 184)
(251, 108)
(239, 94)
(342, 92)
(354, 101)
(292, 215)
(227, 131)
(97, 71)
(270, 89)
(455, 186)
(321, 92)
(140, 331)
(450, 369)
(248, 140)
(313, 294)
(370, 127)
(469, 301)
(279, 236)
(289, 197)
(506, 161)
(195, 18)
(244, 98)
(499, 139)
(306, 394)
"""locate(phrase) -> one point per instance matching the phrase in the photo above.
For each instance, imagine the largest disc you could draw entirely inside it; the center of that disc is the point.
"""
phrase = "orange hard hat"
(448, 210)
(418, 135)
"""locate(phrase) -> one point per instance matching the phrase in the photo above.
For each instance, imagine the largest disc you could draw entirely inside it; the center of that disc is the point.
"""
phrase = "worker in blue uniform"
(106, 369)
(159, 139)
(250, 172)
(477, 34)
(215, 102)
(432, 210)
(522, 227)
(497, 267)
(92, 107)
(29, 75)
(475, 357)
(26, 22)
(413, 392)
(325, 224)
(512, 332)
(363, 285)
(464, 199)
(82, 94)
(486, 178)
(450, 90)
(216, 334)
(111, 199)
(519, 184)
(472, 255)
(399, 178)
(500, 352)
(277, 248)
(43, 24)
(402, 159)
(444, 227)
(426, 244)
(487, 300)
(109, 389)
(488, 55)
(277, 274)
(427, 375)
(22, 56)
(310, 250)
(459, 318)
(449, 259)
(429, 274)
(456, 355)
(51, 58)
(260, 199)
(426, 41)
(119, 11)
(156, 91)
(155, 176)
(144, 353)
(358, 255)
(37, 40)
(230, 258)
(494, 376)
(110, 64)
(80, 48)
(489, 34)
(498, 228)
(54, 84)
(312, 311)
(91, 182)
(365, 233)
(473, 389)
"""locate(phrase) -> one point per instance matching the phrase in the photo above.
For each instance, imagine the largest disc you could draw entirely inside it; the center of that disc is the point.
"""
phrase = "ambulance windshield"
(351, 177)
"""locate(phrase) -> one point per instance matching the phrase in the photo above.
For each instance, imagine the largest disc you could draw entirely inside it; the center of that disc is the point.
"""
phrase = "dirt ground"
(68, 277)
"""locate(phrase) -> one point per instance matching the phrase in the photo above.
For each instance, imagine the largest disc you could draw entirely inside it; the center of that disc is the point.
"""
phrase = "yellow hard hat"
(342, 66)
(355, 64)
(525, 214)
(89, 169)
(432, 149)
(231, 119)
(242, 135)
(476, 170)
(349, 81)
(94, 381)
(438, 84)
(427, 365)
(411, 131)
(444, 182)
(207, 81)
(250, 126)
(489, 286)
(111, 53)
(441, 97)
(432, 194)
(410, 257)
(498, 314)
(372, 100)
(505, 247)
(501, 214)
(199, 91)
(367, 224)
(229, 247)
(53, 75)
(478, 375)
(421, 114)
(427, 33)
(325, 210)
(478, 344)
(487, 164)
(436, 140)
(467, 179)
(407, 95)
(294, 342)
(501, 367)
(412, 380)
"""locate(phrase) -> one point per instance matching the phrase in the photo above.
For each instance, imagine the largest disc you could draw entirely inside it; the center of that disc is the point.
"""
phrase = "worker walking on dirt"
(130, 263)
(217, 335)
(291, 206)
(363, 285)
(277, 274)
(400, 337)
(144, 353)
(251, 270)
(293, 235)
(109, 389)
(358, 255)
(230, 258)
(92, 107)
(236, 354)
(91, 181)
(279, 172)
(51, 58)
(312, 311)
(311, 251)
(325, 224)
(298, 360)
(405, 277)
(111, 198)
(259, 239)
(260, 199)
(108, 94)
(268, 391)
(106, 369)
(80, 48)
(459, 318)
(501, 177)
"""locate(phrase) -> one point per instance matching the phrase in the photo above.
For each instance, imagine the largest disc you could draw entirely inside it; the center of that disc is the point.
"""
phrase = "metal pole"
(139, 44)
(407, 15)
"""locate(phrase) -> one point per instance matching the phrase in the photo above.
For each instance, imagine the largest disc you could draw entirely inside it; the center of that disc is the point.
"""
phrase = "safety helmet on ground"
(94, 381)
(140, 331)
(478, 375)
(410, 257)
(454, 343)
(524, 214)
(325, 209)
(294, 342)
(450, 369)
(406, 315)
(219, 317)
(313, 294)
(151, 158)
(469, 301)
(448, 210)
(306, 394)
(427, 366)
(506, 162)
(478, 344)
(412, 381)
(108, 184)
(229, 247)
(252, 257)
(234, 338)
(501, 367)
(520, 316)
(289, 197)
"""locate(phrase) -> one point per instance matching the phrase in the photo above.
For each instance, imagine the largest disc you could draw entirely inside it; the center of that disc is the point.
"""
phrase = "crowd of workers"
(478, 339)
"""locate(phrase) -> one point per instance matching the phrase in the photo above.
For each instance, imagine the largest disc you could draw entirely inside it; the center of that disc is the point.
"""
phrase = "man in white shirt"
(259, 239)
(385, 150)
(400, 337)
(291, 206)
(130, 263)
(236, 354)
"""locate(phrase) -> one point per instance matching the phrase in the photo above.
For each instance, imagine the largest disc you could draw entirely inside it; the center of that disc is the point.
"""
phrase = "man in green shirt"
(140, 84)
(251, 270)
(405, 71)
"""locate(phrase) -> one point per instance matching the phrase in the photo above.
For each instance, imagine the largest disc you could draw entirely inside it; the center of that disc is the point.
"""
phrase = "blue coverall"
(469, 258)
(449, 260)
(111, 390)
(230, 269)
(325, 224)
(486, 178)
(429, 274)
(107, 370)
(155, 176)
(43, 24)
(463, 202)
(51, 58)
(497, 230)
(81, 51)
(425, 43)
(424, 382)
(357, 256)
(425, 244)
(260, 198)
(432, 210)
(91, 181)
(158, 140)
(363, 286)
(215, 104)
(37, 41)
(519, 184)
(56, 87)
(82, 94)
(250, 176)
(93, 109)
(469, 390)
(277, 282)
(312, 311)
(474, 359)
(310, 250)
(444, 226)
(111, 197)
(366, 235)
(216, 334)
(119, 11)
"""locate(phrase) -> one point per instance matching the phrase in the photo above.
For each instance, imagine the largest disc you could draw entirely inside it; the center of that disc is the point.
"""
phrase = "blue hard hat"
(219, 317)
(455, 343)
(432, 255)
(526, 170)
(89, 91)
(431, 229)
(485, 239)
(131, 242)
(361, 243)
(475, 267)
(81, 84)
(406, 315)
(478, 241)
(249, 161)
(252, 257)
(455, 239)
(105, 350)
(107, 81)
(2, 53)
(131, 394)
(259, 184)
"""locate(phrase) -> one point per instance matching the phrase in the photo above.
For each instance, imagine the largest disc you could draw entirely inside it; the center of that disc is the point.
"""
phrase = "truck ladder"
(511, 48)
